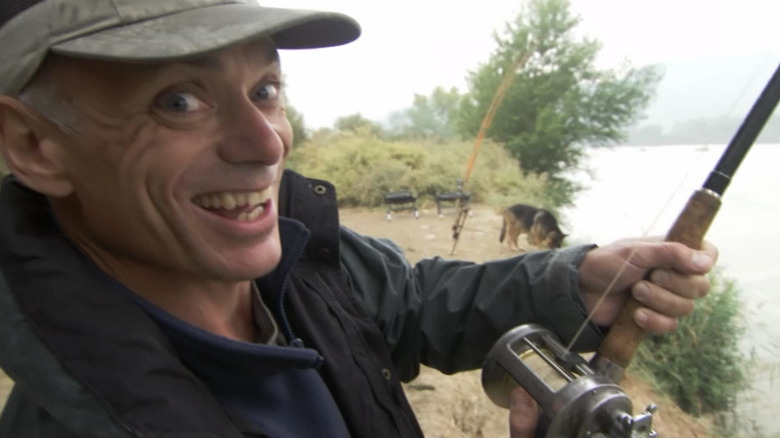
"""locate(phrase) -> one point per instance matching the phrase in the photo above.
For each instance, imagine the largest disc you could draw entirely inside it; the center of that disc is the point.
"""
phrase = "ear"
(31, 146)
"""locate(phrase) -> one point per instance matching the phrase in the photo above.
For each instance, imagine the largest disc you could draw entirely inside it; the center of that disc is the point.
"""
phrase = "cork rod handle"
(690, 227)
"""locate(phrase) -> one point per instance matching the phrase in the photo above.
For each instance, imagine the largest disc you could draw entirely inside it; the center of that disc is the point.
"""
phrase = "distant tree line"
(716, 130)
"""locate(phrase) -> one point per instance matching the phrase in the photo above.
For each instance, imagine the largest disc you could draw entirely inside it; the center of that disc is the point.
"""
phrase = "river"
(637, 191)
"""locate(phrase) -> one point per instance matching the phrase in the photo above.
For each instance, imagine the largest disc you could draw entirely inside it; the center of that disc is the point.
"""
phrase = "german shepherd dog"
(538, 224)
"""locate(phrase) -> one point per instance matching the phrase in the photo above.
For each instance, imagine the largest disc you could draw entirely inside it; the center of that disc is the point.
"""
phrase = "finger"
(523, 414)
(662, 300)
(675, 255)
(710, 249)
(654, 322)
(688, 286)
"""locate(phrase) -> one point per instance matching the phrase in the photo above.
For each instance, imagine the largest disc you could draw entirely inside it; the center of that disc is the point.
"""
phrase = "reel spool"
(576, 401)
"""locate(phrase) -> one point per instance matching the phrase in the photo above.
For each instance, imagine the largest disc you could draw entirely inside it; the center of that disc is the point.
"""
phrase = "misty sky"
(410, 47)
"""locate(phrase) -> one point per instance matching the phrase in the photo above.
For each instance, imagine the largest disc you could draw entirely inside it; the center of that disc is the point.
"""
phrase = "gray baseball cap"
(150, 31)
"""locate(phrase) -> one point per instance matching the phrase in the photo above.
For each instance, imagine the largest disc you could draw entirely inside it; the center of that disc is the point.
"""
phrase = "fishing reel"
(577, 402)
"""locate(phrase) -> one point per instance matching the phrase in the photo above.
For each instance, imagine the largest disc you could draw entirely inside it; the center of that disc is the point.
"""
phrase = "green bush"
(700, 365)
(364, 168)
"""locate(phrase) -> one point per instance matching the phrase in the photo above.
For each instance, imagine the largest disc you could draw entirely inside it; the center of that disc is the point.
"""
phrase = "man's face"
(175, 169)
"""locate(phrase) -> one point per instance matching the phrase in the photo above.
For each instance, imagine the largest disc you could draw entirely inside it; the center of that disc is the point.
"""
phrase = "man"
(162, 276)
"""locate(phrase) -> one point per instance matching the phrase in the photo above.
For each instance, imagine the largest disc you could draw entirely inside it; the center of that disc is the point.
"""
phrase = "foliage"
(558, 100)
(364, 168)
(298, 128)
(429, 117)
(356, 122)
(700, 364)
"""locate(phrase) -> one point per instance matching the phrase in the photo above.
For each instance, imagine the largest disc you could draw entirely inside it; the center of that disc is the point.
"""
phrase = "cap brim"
(202, 30)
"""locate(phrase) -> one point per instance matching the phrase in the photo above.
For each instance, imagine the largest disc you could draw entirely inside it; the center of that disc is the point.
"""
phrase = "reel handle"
(691, 225)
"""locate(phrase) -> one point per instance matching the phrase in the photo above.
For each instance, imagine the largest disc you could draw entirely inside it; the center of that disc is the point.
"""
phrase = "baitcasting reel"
(577, 402)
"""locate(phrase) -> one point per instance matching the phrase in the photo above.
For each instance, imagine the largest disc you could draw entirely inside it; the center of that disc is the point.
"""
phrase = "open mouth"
(238, 206)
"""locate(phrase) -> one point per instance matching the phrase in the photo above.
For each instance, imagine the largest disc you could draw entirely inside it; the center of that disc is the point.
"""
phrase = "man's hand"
(677, 277)
(523, 414)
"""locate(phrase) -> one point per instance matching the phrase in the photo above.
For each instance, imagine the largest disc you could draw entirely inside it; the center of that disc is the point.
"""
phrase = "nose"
(254, 135)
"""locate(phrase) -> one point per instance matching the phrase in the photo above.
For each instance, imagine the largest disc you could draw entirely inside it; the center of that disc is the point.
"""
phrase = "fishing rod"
(583, 399)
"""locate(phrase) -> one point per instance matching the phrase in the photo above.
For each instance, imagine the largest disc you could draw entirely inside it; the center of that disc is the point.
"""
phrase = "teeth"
(251, 215)
(254, 198)
(228, 201)
(232, 200)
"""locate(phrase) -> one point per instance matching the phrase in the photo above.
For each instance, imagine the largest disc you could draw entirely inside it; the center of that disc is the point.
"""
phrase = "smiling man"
(162, 275)
(165, 186)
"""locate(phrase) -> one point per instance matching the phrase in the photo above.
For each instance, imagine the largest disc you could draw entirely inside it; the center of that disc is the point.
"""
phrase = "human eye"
(267, 91)
(180, 102)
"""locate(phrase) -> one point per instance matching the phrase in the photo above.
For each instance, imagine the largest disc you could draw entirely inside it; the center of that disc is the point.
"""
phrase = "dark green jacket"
(91, 364)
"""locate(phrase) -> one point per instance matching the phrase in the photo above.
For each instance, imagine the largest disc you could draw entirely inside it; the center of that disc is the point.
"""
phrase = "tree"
(298, 128)
(356, 122)
(429, 117)
(559, 100)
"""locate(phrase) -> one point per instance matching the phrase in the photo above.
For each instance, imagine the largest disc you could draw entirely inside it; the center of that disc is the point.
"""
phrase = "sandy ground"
(456, 406)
